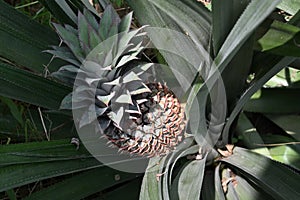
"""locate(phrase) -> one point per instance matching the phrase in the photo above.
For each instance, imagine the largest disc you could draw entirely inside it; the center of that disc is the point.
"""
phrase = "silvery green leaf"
(131, 76)
(69, 68)
(133, 111)
(92, 67)
(65, 76)
(108, 59)
(100, 92)
(140, 91)
(124, 41)
(64, 54)
(90, 81)
(104, 123)
(126, 59)
(70, 38)
(91, 19)
(106, 99)
(125, 23)
(66, 102)
(83, 33)
(140, 69)
(114, 82)
(100, 111)
(87, 118)
(140, 101)
(109, 23)
(124, 98)
(116, 117)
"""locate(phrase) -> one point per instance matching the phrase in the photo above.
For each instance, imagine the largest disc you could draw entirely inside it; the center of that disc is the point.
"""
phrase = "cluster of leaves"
(249, 43)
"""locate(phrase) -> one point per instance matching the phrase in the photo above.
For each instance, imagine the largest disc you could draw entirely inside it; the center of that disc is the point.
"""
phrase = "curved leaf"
(273, 177)
(190, 180)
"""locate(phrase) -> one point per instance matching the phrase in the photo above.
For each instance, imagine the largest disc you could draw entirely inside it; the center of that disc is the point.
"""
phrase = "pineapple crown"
(110, 86)
(116, 50)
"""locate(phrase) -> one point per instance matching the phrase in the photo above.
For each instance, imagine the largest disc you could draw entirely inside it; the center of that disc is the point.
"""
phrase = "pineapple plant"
(134, 114)
(230, 142)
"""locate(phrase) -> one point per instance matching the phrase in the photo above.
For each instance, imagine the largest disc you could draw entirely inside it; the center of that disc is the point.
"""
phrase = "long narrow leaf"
(17, 173)
(275, 100)
(190, 180)
(24, 86)
(22, 40)
(284, 185)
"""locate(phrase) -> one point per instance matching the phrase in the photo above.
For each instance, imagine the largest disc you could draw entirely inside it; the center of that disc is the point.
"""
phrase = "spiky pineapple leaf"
(124, 26)
(224, 15)
(69, 36)
(289, 123)
(109, 23)
(30, 88)
(261, 170)
(41, 160)
(67, 9)
(23, 46)
(56, 11)
(64, 54)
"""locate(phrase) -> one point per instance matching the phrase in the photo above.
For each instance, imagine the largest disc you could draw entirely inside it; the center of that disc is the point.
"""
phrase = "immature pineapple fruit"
(134, 114)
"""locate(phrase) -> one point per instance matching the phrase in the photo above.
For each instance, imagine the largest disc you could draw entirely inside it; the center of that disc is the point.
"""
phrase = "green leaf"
(22, 40)
(287, 154)
(289, 123)
(11, 194)
(276, 65)
(245, 190)
(249, 135)
(150, 187)
(125, 23)
(290, 6)
(26, 163)
(208, 186)
(219, 193)
(24, 86)
(69, 36)
(275, 101)
(253, 15)
(86, 183)
(281, 39)
(187, 17)
(273, 177)
(66, 103)
(190, 180)
(67, 10)
(109, 23)
(225, 14)
(15, 111)
(56, 11)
